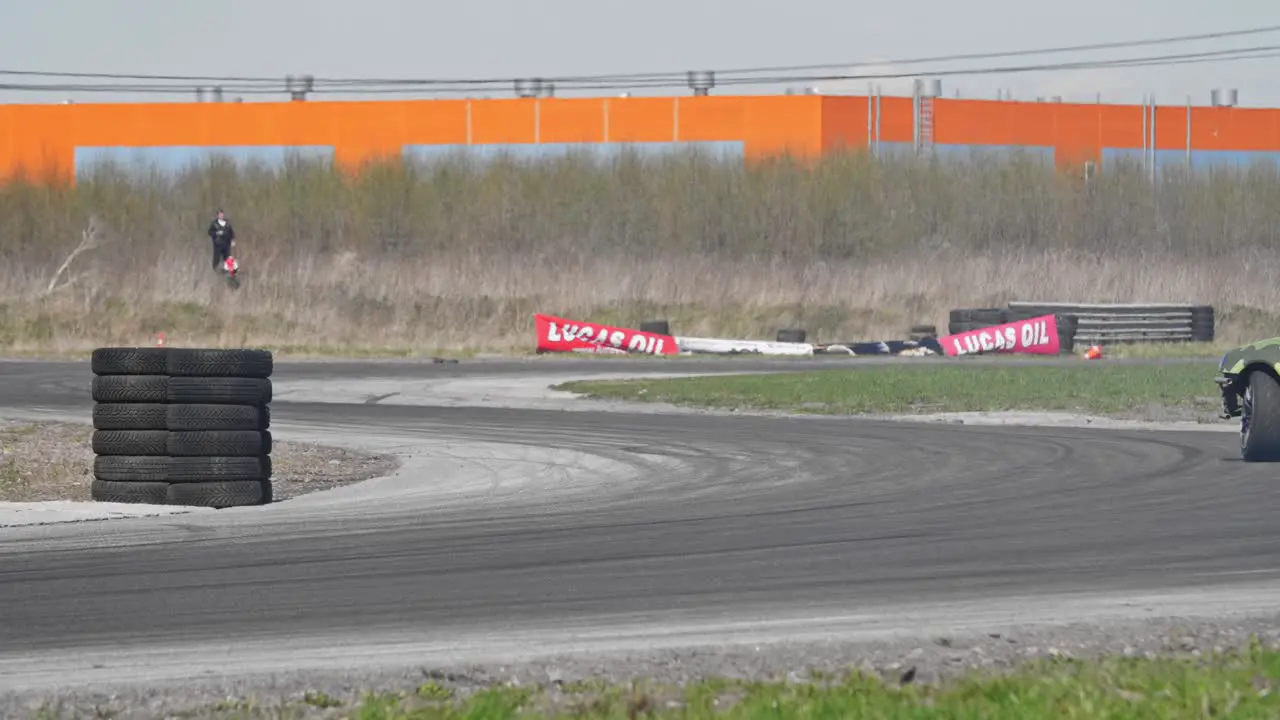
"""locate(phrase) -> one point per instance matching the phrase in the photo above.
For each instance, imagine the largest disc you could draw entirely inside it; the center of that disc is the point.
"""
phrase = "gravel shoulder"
(53, 461)
(572, 683)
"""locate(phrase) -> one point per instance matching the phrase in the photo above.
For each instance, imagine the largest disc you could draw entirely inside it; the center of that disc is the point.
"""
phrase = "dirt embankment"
(42, 461)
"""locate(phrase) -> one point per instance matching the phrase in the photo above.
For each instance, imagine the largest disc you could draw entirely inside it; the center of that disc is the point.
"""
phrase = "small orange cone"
(1094, 353)
(160, 340)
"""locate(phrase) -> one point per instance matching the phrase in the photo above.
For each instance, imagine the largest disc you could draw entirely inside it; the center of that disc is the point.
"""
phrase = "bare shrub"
(458, 254)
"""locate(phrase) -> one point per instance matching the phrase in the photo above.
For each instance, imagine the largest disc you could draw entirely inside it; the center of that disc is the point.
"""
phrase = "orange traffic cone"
(160, 340)
(1094, 353)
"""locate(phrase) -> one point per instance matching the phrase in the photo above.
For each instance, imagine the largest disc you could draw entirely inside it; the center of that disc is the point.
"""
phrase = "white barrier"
(715, 346)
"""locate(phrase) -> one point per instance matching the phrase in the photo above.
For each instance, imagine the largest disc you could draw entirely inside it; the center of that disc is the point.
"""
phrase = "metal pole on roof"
(915, 113)
(879, 110)
(1145, 132)
(870, 118)
(1153, 137)
(1188, 133)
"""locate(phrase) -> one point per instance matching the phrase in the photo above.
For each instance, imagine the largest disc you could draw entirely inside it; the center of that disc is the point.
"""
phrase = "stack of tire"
(182, 426)
(657, 327)
(1202, 325)
(918, 333)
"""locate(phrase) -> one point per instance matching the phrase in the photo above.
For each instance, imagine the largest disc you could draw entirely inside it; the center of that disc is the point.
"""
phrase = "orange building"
(58, 140)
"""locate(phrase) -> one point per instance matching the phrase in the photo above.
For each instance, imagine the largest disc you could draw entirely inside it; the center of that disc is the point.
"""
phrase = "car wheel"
(1260, 419)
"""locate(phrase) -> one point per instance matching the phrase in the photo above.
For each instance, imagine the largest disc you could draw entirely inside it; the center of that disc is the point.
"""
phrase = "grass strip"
(1098, 388)
(1237, 684)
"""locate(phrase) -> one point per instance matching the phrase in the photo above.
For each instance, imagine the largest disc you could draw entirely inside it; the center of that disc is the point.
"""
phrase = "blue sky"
(510, 38)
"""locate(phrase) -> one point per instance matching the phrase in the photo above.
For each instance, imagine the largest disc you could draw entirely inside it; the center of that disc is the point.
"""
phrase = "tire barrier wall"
(909, 348)
(721, 346)
(180, 426)
(1101, 324)
(557, 334)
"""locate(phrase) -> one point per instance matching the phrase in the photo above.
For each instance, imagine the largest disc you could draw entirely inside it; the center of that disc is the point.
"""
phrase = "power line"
(1148, 61)
(390, 87)
(827, 66)
(1260, 52)
(672, 78)
(1018, 53)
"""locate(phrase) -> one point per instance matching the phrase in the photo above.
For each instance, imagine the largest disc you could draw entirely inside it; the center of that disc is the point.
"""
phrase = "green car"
(1249, 378)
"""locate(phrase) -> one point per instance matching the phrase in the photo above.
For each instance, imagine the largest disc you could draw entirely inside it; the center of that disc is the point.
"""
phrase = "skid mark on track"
(551, 519)
(665, 451)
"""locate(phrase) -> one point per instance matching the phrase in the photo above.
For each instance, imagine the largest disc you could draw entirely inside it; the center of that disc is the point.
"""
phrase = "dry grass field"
(454, 258)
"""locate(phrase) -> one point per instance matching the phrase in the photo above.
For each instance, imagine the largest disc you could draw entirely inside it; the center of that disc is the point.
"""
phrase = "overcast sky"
(513, 38)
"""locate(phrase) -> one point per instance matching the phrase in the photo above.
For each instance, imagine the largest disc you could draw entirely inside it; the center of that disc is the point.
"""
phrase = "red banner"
(1038, 335)
(560, 335)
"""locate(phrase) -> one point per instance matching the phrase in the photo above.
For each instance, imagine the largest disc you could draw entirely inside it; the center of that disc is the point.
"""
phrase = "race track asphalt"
(681, 516)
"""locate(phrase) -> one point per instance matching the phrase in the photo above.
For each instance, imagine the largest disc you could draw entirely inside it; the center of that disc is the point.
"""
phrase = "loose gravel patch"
(42, 461)
(569, 683)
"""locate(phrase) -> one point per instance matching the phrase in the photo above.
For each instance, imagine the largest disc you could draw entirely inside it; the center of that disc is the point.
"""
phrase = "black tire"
(657, 327)
(234, 493)
(219, 443)
(1068, 325)
(130, 361)
(130, 416)
(217, 417)
(1202, 323)
(131, 468)
(1023, 314)
(792, 335)
(219, 391)
(146, 493)
(980, 317)
(241, 363)
(215, 469)
(1027, 312)
(130, 442)
(131, 388)
(1260, 418)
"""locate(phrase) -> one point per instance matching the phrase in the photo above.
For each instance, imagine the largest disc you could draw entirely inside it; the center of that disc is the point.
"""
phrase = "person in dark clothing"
(223, 237)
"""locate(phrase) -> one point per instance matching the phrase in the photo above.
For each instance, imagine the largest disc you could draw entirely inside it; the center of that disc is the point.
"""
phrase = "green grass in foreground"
(1236, 684)
(1093, 387)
